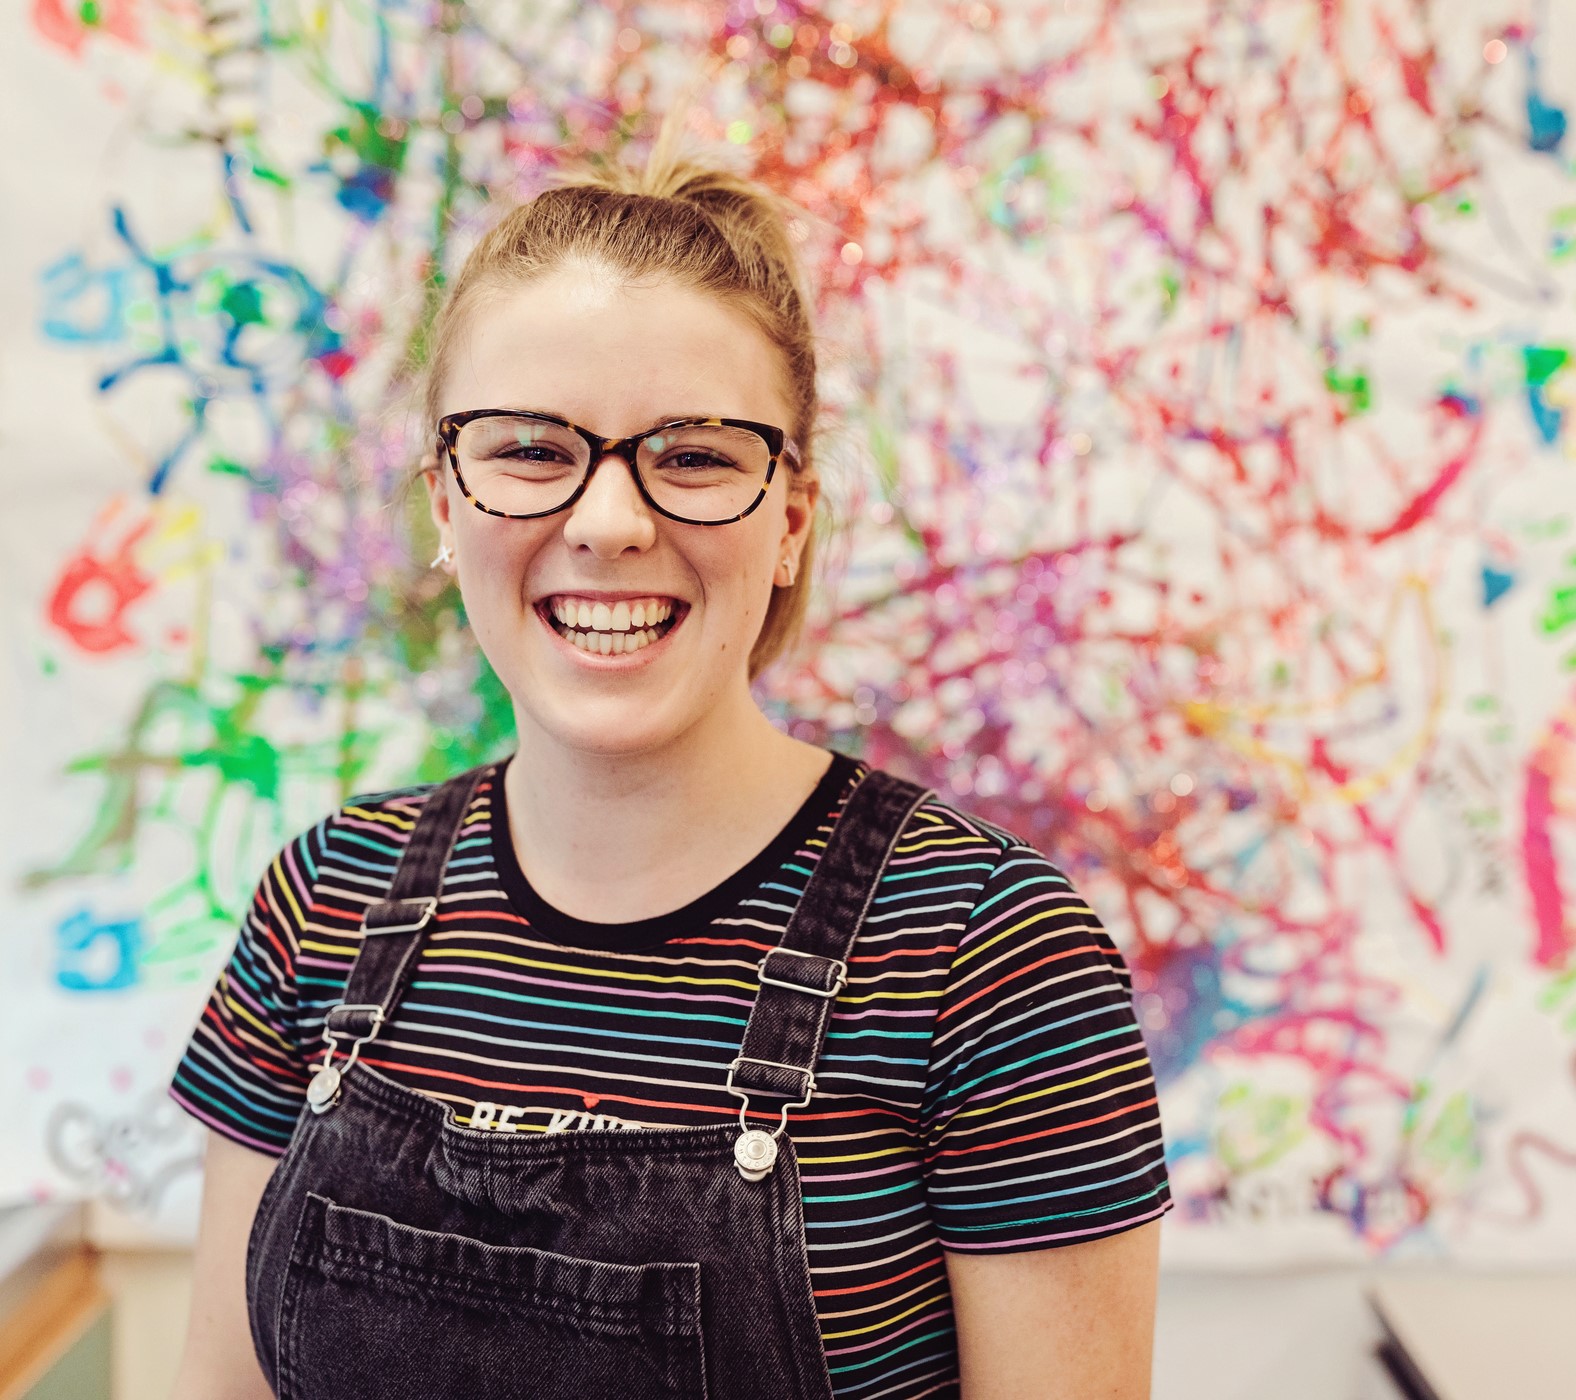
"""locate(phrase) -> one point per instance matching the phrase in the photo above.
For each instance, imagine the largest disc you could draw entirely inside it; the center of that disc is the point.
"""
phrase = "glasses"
(699, 471)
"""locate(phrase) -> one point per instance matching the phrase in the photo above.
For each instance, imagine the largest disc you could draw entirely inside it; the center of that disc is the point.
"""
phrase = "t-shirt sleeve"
(245, 1070)
(1041, 1122)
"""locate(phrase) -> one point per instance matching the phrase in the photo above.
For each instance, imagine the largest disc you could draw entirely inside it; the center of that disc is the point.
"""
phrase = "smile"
(611, 629)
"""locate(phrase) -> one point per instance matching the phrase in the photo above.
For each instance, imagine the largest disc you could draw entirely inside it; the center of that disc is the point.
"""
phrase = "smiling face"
(677, 606)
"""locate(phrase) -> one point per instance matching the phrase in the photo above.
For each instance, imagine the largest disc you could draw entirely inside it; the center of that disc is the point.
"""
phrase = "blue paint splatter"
(1546, 123)
(1496, 584)
(1545, 417)
(97, 955)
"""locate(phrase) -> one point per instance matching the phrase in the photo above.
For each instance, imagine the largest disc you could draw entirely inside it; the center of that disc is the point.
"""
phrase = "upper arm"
(1071, 1323)
(218, 1361)
(244, 1075)
(1045, 1162)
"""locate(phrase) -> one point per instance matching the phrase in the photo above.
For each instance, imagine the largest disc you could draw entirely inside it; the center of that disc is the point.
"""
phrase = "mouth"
(621, 628)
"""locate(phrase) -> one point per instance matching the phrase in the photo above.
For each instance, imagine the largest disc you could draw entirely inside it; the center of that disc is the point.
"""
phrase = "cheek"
(492, 556)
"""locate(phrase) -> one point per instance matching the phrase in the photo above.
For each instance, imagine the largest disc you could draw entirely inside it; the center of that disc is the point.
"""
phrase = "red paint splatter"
(63, 26)
(1554, 935)
(95, 590)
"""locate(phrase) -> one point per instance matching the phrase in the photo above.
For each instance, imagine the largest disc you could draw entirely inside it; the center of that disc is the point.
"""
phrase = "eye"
(694, 459)
(530, 452)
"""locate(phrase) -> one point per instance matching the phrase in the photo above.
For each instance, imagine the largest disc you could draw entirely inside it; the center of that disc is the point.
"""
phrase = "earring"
(445, 556)
(791, 568)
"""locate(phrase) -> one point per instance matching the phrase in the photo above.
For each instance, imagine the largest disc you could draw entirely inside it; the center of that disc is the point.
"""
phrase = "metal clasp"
(323, 1092)
(842, 974)
(755, 1150)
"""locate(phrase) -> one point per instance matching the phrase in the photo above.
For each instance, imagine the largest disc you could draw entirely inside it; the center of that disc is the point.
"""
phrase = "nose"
(611, 516)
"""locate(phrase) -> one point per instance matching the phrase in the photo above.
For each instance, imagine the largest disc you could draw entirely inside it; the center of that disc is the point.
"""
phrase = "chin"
(607, 726)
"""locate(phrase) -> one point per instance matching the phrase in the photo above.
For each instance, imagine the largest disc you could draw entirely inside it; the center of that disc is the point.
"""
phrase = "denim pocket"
(376, 1310)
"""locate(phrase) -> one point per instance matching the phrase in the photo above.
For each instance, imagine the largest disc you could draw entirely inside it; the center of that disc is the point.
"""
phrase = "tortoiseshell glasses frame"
(779, 445)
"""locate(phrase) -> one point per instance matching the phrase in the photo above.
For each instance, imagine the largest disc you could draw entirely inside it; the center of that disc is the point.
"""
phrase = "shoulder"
(357, 846)
(941, 834)
(949, 871)
(998, 891)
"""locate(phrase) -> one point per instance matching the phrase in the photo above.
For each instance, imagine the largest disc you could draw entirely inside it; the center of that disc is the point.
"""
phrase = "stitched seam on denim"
(356, 1265)
(288, 1298)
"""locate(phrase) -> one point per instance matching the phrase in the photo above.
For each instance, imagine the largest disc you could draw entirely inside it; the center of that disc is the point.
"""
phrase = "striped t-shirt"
(983, 1086)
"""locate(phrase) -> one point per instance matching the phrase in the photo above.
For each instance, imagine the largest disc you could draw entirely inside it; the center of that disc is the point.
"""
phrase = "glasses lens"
(520, 465)
(702, 472)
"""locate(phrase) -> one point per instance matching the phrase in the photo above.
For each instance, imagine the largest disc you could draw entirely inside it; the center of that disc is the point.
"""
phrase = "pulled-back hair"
(680, 220)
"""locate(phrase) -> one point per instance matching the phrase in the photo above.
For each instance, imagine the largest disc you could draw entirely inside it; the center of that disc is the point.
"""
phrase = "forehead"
(613, 355)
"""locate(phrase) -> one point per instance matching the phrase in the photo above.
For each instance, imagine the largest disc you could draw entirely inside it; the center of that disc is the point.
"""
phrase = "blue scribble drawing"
(233, 324)
(97, 955)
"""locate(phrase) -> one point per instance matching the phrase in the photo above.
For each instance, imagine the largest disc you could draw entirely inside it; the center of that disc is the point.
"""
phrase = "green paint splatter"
(374, 141)
(242, 302)
(1561, 610)
(1170, 291)
(1257, 1128)
(1353, 387)
(1543, 362)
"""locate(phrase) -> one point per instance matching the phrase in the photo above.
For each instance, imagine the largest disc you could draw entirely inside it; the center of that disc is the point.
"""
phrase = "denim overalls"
(399, 1256)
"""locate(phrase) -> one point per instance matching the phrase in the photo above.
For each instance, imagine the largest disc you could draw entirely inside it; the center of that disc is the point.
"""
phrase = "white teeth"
(610, 630)
(612, 643)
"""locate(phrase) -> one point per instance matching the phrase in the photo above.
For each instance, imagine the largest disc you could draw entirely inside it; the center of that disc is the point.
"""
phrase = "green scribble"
(1560, 611)
(1170, 292)
(1543, 362)
(1450, 1147)
(1257, 1128)
(372, 138)
(243, 303)
(1354, 387)
(1559, 992)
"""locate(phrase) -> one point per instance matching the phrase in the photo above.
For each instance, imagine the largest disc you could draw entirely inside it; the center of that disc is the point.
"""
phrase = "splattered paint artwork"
(1199, 385)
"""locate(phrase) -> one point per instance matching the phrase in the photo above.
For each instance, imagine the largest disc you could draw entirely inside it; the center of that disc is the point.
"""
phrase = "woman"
(674, 1056)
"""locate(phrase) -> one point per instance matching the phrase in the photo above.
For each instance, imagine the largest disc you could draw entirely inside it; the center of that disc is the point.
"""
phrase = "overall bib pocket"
(376, 1310)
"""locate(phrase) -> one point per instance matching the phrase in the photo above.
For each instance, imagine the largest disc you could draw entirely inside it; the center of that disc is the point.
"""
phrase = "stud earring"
(445, 556)
(790, 568)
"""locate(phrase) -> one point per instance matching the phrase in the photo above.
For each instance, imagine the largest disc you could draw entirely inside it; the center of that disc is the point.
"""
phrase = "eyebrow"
(654, 423)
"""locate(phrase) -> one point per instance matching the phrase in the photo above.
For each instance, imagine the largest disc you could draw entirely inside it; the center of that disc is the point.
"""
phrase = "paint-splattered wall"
(1199, 387)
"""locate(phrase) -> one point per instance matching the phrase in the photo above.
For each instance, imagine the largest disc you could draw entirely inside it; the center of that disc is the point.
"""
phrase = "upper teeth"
(621, 616)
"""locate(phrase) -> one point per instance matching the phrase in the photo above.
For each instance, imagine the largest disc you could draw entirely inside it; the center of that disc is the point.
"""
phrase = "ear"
(804, 490)
(436, 481)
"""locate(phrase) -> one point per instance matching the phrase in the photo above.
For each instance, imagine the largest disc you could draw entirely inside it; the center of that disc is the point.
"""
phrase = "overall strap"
(391, 933)
(801, 977)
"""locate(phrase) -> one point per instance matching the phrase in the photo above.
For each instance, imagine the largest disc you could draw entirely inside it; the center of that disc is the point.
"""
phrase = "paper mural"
(1199, 396)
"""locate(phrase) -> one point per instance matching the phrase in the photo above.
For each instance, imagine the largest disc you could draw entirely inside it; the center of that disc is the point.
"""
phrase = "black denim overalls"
(397, 1255)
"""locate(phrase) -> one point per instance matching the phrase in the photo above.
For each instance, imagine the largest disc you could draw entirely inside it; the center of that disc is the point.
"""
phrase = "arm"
(218, 1361)
(1072, 1323)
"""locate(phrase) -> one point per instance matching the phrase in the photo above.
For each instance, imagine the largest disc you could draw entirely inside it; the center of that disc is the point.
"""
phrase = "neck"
(595, 833)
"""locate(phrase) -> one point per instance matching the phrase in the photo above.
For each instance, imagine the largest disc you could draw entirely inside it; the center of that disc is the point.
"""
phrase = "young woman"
(672, 1056)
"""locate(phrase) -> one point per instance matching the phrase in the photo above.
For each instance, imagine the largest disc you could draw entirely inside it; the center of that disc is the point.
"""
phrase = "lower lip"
(621, 661)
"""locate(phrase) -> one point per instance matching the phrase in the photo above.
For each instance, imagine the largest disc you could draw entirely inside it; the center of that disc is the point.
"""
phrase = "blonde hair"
(677, 219)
